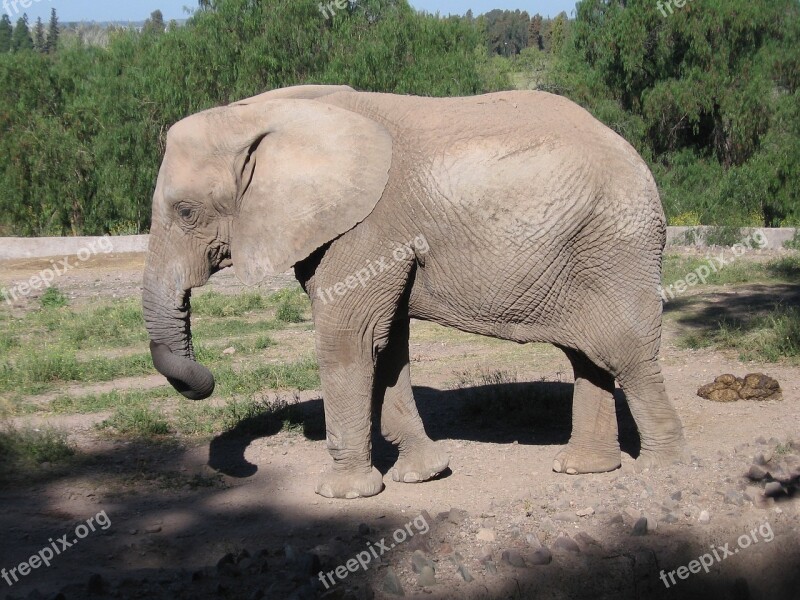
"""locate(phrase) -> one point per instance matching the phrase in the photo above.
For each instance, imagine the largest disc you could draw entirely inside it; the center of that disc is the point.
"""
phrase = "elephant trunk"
(167, 317)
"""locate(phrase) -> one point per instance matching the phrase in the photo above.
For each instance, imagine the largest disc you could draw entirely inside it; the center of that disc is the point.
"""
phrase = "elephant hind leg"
(593, 446)
(660, 428)
(420, 457)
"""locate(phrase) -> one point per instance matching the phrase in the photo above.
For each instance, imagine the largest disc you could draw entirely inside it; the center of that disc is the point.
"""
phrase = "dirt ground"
(237, 517)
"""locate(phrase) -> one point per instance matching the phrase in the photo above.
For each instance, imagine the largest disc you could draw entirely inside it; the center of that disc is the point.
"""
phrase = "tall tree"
(52, 33)
(6, 31)
(21, 39)
(39, 42)
(535, 32)
(155, 24)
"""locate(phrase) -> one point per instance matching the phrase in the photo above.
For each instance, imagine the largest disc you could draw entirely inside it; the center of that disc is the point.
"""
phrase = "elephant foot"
(573, 461)
(663, 457)
(333, 484)
(420, 463)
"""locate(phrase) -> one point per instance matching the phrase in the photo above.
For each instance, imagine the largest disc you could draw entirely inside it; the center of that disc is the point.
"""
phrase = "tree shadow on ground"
(739, 307)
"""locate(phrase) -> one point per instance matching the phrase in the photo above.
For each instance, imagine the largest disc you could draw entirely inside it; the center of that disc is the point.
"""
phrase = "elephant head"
(260, 185)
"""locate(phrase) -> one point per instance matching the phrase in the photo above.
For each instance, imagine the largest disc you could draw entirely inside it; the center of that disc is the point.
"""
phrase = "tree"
(6, 31)
(155, 24)
(52, 33)
(39, 42)
(535, 32)
(21, 39)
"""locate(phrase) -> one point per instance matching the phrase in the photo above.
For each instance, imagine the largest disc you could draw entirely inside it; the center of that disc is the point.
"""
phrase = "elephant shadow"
(536, 413)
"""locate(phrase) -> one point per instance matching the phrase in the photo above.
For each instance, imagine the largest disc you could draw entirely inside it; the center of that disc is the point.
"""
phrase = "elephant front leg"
(420, 457)
(347, 389)
(594, 444)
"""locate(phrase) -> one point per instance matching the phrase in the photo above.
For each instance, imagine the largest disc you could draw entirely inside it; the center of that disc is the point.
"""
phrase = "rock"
(587, 543)
(773, 488)
(652, 523)
(757, 473)
(733, 497)
(513, 558)
(752, 493)
(585, 512)
(228, 559)
(762, 458)
(420, 561)
(96, 584)
(153, 529)
(465, 574)
(391, 583)
(615, 520)
(484, 555)
(486, 535)
(760, 440)
(445, 549)
(540, 556)
(704, 517)
(547, 525)
(631, 514)
(640, 527)
(457, 516)
(670, 518)
(533, 540)
(566, 516)
(490, 567)
(363, 529)
(426, 577)
(229, 351)
(564, 542)
(676, 495)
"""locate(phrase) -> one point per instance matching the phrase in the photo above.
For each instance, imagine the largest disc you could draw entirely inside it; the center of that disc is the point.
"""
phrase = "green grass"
(40, 350)
(37, 370)
(676, 268)
(94, 403)
(52, 298)
(24, 450)
(137, 421)
(772, 338)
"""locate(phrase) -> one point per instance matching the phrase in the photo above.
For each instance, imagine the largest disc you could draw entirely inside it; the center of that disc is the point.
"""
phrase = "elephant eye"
(185, 212)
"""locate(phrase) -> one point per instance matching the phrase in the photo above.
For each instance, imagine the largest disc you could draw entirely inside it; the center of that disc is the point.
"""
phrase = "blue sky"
(138, 10)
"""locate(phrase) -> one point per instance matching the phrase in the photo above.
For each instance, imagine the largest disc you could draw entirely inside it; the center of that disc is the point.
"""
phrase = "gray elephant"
(515, 215)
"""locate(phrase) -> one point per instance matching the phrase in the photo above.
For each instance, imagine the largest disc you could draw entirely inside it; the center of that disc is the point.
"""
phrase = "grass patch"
(53, 298)
(676, 268)
(94, 403)
(291, 304)
(246, 415)
(137, 421)
(770, 338)
(37, 370)
(214, 304)
(25, 449)
(299, 375)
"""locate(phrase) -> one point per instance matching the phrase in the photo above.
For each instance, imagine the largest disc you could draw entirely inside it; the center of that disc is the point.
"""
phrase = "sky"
(138, 10)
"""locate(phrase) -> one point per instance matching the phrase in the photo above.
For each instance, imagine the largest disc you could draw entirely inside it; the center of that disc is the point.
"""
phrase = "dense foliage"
(708, 93)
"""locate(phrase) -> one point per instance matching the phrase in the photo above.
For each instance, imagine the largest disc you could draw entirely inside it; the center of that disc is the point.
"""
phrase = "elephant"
(514, 214)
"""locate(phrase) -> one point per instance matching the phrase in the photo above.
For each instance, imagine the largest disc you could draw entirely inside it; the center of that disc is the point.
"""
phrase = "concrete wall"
(21, 248)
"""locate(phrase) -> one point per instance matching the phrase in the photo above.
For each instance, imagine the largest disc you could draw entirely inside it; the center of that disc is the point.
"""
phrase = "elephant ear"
(308, 172)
